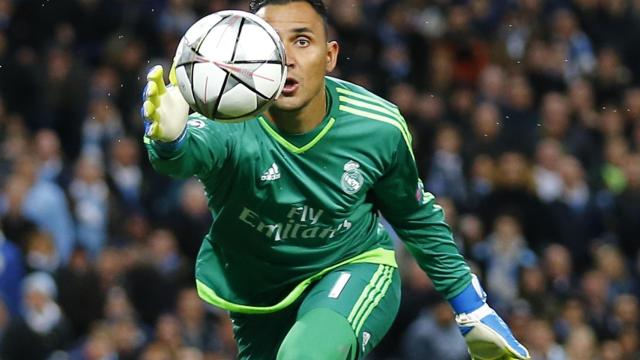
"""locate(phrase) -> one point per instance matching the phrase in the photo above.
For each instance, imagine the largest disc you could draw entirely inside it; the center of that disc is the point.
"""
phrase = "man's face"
(309, 56)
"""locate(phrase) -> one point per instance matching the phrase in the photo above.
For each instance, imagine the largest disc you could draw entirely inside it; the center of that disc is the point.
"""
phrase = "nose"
(289, 58)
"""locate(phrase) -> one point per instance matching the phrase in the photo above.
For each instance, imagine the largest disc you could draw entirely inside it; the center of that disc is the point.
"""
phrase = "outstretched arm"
(178, 147)
(420, 223)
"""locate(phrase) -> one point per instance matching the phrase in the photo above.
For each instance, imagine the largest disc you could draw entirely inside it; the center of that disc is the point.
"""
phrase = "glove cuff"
(475, 315)
(470, 299)
(167, 148)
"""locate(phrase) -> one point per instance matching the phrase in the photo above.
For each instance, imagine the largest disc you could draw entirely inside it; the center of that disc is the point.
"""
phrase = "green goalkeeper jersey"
(289, 208)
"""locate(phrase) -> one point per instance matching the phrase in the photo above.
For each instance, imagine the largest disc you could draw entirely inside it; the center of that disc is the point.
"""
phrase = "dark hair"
(317, 5)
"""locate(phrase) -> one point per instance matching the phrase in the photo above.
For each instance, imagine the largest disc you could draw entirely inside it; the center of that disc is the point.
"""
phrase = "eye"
(302, 42)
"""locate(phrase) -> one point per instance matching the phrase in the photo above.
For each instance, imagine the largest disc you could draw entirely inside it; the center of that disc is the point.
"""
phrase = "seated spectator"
(630, 344)
(435, 333)
(42, 328)
(571, 315)
(579, 219)
(627, 208)
(503, 255)
(596, 290)
(546, 170)
(97, 346)
(190, 219)
(625, 315)
(49, 153)
(558, 269)
(481, 180)
(542, 343)
(81, 296)
(616, 149)
(533, 289)
(581, 344)
(486, 135)
(198, 328)
(41, 254)
(446, 175)
(611, 350)
(45, 204)
(11, 273)
(611, 262)
(125, 174)
(514, 193)
(91, 206)
(101, 127)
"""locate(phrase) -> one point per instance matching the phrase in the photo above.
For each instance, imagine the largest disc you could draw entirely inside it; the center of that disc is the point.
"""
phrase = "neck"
(301, 120)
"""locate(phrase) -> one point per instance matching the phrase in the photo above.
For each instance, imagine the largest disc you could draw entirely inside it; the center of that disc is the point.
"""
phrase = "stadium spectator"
(627, 207)
(89, 194)
(190, 218)
(581, 221)
(45, 204)
(11, 273)
(42, 327)
(49, 153)
(542, 341)
(503, 255)
(485, 135)
(446, 175)
(125, 176)
(79, 293)
(434, 332)
(546, 170)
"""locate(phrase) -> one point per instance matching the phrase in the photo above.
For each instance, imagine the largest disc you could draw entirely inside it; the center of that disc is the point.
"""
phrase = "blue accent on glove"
(465, 329)
(499, 326)
(147, 121)
(469, 299)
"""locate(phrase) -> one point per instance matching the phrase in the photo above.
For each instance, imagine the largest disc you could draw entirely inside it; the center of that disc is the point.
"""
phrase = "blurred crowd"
(525, 117)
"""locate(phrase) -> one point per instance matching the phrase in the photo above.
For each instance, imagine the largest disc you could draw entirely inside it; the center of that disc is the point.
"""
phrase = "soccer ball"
(230, 66)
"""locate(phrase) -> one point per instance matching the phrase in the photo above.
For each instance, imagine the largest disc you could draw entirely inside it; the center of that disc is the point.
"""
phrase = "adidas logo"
(273, 173)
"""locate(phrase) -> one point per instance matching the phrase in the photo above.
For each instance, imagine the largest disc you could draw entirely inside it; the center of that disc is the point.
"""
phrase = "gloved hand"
(487, 335)
(164, 110)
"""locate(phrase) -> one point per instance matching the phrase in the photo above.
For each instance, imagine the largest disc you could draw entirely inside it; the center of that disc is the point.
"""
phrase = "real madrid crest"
(196, 123)
(352, 178)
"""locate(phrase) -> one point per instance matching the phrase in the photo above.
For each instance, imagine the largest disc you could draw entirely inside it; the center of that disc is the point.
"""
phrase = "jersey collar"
(301, 143)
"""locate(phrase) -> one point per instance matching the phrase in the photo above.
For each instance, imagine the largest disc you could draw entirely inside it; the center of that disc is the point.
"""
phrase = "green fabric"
(369, 300)
(282, 216)
(371, 291)
(320, 334)
(377, 256)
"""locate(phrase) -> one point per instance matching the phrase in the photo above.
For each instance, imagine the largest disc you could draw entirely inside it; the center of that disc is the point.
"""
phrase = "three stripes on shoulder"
(374, 109)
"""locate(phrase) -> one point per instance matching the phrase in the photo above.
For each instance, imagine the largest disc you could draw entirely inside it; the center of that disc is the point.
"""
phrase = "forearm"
(171, 158)
(428, 238)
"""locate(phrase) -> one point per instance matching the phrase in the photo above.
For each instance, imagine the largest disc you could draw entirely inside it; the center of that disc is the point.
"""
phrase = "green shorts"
(367, 295)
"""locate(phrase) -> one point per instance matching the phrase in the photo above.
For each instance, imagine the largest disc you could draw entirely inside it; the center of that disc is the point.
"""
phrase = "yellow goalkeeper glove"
(164, 110)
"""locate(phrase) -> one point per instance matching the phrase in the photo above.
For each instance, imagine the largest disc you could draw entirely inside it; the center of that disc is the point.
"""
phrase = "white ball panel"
(268, 78)
(184, 84)
(256, 44)
(219, 44)
(238, 101)
(201, 27)
(207, 82)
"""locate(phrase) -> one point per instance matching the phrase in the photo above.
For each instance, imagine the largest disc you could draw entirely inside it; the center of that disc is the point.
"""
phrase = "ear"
(332, 55)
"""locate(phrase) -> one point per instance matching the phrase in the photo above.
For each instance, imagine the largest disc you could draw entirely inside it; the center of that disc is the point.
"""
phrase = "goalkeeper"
(296, 252)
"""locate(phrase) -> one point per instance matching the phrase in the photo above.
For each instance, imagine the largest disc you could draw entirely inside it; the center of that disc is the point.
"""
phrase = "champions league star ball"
(230, 66)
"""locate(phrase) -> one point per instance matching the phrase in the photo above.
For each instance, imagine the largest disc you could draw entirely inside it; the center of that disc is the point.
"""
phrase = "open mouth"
(290, 87)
